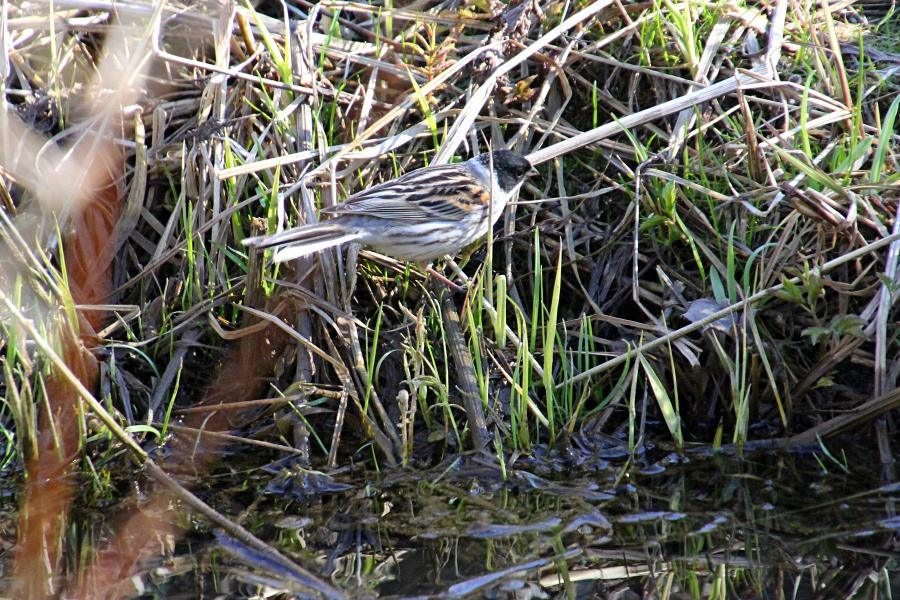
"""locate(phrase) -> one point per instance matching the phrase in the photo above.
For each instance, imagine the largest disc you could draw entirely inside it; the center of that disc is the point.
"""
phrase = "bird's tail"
(304, 240)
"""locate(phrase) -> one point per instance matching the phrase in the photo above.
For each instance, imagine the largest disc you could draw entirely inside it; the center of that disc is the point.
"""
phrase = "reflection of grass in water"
(723, 522)
(768, 185)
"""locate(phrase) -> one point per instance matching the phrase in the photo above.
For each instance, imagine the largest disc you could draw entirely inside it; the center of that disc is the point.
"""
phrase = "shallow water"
(767, 525)
(587, 523)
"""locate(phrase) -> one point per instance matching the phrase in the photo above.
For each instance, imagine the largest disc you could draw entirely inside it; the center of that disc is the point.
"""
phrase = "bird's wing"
(446, 192)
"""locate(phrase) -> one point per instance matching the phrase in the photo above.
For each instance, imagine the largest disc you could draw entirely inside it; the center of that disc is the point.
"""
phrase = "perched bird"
(420, 216)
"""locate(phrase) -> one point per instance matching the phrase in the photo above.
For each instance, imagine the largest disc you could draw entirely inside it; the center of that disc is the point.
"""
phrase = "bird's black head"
(509, 167)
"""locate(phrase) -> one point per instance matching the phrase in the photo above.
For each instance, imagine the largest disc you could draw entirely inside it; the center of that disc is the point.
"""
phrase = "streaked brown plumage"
(420, 216)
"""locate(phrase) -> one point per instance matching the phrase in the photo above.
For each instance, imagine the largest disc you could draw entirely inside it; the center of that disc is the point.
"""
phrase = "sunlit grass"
(768, 185)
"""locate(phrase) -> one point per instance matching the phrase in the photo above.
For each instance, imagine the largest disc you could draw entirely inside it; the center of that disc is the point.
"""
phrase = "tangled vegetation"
(706, 261)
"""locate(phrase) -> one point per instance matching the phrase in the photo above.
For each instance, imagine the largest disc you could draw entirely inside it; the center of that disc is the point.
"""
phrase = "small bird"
(420, 216)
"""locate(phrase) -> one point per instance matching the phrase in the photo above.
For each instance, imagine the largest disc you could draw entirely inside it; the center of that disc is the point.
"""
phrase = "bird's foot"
(455, 287)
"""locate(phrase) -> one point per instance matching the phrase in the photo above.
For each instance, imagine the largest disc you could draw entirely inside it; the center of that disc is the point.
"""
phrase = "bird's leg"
(431, 271)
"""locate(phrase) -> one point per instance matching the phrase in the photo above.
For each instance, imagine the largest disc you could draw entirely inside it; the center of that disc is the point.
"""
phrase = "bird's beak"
(534, 171)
